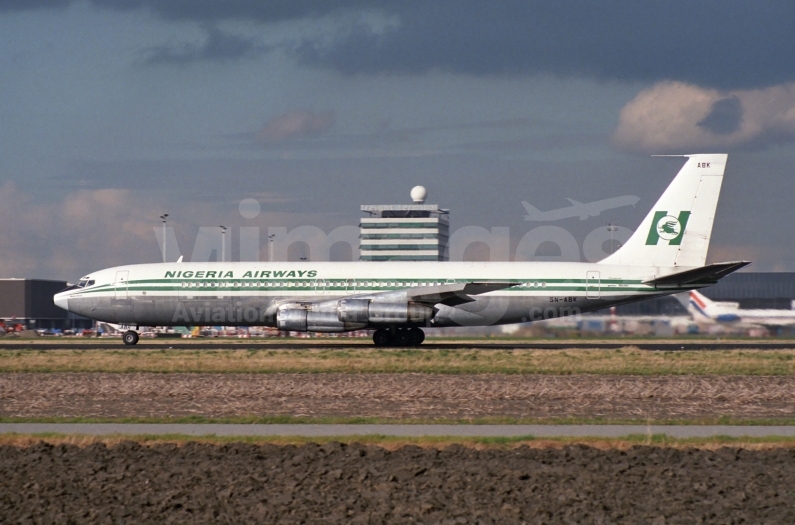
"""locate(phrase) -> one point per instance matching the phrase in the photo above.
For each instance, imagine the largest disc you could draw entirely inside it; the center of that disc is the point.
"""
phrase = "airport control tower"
(404, 232)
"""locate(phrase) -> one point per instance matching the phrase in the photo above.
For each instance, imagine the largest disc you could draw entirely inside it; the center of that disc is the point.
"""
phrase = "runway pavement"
(192, 345)
(319, 430)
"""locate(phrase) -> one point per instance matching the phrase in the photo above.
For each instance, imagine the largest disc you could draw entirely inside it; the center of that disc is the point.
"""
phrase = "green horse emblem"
(668, 227)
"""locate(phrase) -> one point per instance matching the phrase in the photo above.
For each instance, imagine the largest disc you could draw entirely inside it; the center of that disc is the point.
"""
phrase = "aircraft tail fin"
(677, 230)
(697, 305)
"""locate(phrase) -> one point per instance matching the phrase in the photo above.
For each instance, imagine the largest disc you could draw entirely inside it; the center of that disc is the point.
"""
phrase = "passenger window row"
(327, 284)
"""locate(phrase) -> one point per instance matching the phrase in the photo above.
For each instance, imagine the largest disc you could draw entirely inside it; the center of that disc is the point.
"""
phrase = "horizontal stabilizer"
(698, 276)
(454, 294)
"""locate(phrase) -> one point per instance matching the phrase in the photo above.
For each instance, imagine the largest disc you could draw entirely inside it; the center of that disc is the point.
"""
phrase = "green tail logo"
(666, 227)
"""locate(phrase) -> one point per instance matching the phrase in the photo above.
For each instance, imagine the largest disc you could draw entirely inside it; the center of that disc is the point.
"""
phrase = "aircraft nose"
(61, 300)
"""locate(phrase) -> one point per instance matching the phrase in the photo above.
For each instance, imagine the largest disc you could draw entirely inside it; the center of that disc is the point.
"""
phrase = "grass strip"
(393, 442)
(292, 420)
(623, 361)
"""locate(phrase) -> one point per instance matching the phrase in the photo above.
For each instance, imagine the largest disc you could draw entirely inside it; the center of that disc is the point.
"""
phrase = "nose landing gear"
(398, 337)
(130, 337)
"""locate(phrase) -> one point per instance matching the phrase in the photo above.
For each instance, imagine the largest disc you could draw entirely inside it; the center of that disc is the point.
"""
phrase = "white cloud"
(91, 229)
(67, 237)
(682, 118)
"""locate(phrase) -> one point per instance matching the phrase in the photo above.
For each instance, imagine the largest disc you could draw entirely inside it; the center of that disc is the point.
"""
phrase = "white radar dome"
(418, 194)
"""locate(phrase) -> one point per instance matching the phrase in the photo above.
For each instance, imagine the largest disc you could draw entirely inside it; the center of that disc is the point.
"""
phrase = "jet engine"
(378, 313)
(349, 314)
(296, 319)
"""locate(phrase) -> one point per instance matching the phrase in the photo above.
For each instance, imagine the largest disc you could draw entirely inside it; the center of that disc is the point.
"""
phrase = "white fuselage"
(251, 293)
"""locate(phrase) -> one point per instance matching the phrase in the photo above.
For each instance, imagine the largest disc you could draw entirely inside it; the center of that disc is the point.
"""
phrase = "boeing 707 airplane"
(666, 255)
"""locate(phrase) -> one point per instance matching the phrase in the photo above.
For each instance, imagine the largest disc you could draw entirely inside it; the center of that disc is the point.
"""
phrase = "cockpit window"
(82, 283)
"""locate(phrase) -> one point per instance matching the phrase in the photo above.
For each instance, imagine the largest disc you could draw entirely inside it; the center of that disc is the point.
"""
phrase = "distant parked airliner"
(707, 311)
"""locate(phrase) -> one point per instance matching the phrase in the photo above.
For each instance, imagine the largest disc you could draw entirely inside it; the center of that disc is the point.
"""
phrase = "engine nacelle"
(291, 319)
(296, 319)
(370, 312)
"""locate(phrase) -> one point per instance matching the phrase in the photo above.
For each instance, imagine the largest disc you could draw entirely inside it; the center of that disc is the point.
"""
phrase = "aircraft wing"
(453, 294)
(709, 274)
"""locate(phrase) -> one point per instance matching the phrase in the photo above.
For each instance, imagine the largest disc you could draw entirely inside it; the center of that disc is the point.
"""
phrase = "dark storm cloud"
(218, 47)
(726, 44)
(25, 5)
(725, 116)
(211, 10)
(718, 43)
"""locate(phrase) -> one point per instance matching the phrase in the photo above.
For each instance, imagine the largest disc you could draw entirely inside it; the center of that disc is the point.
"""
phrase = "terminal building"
(28, 302)
(404, 232)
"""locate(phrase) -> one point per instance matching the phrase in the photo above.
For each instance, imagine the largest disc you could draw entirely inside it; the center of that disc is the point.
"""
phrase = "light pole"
(163, 218)
(270, 246)
(223, 243)
(612, 228)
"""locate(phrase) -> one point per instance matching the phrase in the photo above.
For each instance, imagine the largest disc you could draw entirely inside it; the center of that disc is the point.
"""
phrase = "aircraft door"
(120, 286)
(320, 286)
(592, 285)
(350, 286)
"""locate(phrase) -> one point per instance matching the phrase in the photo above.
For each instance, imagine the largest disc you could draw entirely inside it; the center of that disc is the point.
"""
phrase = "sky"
(115, 112)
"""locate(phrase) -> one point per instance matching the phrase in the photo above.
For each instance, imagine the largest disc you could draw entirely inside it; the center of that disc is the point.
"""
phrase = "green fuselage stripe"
(361, 286)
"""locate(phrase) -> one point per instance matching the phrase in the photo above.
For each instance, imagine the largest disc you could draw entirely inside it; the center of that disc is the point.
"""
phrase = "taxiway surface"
(462, 431)
(448, 345)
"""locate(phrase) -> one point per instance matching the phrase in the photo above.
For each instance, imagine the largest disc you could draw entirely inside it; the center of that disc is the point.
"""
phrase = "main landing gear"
(398, 337)
(130, 337)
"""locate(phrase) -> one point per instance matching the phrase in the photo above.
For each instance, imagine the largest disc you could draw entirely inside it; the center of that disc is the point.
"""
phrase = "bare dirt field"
(192, 482)
(405, 396)
(337, 483)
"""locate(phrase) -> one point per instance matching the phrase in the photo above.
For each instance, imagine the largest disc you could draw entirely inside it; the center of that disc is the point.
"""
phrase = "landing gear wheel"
(130, 337)
(381, 337)
(417, 336)
(403, 337)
